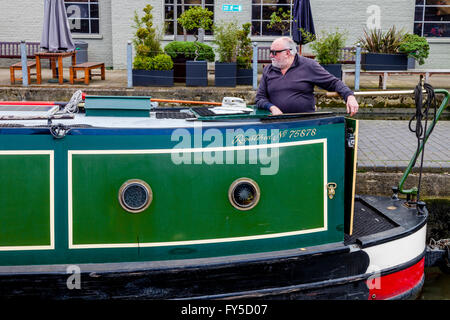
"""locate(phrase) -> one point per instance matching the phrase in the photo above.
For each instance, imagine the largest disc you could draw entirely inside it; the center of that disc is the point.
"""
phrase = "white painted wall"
(23, 20)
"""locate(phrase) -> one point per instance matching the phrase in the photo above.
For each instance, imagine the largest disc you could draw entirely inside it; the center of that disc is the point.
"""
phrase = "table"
(53, 56)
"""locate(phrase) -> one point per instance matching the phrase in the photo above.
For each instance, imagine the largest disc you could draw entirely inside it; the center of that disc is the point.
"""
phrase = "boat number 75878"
(302, 133)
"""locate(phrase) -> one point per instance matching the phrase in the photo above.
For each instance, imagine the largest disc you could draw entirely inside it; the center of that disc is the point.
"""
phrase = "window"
(174, 8)
(261, 12)
(432, 18)
(83, 16)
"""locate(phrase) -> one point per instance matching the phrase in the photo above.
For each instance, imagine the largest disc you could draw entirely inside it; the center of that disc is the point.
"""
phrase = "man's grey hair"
(290, 44)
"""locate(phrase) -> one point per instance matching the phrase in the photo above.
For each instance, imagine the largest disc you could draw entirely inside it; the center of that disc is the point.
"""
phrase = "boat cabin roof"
(37, 116)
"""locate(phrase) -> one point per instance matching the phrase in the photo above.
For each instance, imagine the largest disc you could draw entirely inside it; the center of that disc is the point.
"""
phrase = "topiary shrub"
(147, 43)
(186, 49)
(415, 46)
(196, 18)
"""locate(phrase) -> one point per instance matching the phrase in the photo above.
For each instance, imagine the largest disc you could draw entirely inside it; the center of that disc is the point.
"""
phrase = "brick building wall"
(23, 20)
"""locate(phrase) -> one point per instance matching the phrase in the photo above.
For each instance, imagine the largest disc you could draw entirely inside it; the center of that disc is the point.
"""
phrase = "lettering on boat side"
(241, 138)
(236, 146)
(228, 309)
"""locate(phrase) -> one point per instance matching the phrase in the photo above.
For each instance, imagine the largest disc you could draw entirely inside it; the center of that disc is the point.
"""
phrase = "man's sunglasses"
(275, 52)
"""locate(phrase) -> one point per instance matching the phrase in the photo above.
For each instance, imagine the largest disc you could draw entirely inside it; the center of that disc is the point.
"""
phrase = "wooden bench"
(18, 67)
(11, 49)
(87, 67)
(264, 56)
(384, 74)
(348, 55)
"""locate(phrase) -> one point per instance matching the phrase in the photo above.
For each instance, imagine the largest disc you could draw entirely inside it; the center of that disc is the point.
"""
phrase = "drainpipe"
(129, 65)
(357, 66)
(255, 65)
(23, 56)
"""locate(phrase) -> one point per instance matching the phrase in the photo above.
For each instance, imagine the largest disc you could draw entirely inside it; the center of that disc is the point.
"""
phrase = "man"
(287, 86)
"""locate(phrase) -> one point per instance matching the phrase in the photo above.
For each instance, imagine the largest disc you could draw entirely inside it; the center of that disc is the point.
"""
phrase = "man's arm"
(327, 81)
(262, 97)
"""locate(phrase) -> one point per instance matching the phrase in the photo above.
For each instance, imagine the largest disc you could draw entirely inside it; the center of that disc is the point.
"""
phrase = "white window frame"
(89, 18)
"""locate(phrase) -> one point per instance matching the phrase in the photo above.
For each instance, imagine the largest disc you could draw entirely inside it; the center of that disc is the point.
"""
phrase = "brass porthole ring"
(244, 194)
(135, 195)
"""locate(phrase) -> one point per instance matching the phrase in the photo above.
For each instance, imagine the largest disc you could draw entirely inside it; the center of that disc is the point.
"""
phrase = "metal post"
(130, 64)
(357, 66)
(255, 65)
(23, 57)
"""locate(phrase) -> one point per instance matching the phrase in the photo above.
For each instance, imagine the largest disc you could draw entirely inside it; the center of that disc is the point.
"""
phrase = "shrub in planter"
(328, 47)
(193, 19)
(153, 71)
(151, 67)
(280, 20)
(383, 50)
(415, 47)
(182, 51)
(244, 73)
(226, 39)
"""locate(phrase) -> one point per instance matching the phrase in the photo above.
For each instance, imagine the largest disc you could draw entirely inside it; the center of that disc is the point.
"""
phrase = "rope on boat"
(420, 129)
(438, 254)
(72, 105)
(441, 244)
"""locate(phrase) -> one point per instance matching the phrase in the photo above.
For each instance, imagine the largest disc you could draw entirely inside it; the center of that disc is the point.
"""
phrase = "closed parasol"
(302, 20)
(56, 34)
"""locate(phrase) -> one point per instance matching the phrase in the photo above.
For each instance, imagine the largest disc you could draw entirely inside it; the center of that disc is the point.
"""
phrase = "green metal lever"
(413, 191)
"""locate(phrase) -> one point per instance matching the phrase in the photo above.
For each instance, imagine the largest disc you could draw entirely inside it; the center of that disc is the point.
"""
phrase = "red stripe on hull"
(27, 103)
(396, 283)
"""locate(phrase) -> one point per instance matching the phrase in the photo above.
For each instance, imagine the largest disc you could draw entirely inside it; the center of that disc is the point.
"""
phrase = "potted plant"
(416, 47)
(280, 20)
(151, 67)
(327, 49)
(193, 19)
(244, 73)
(182, 51)
(382, 50)
(226, 39)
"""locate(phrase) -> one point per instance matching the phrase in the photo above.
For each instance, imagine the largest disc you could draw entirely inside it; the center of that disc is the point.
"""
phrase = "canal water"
(436, 286)
(437, 283)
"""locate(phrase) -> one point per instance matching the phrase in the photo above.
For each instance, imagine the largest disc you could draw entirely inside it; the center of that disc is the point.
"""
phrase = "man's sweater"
(294, 91)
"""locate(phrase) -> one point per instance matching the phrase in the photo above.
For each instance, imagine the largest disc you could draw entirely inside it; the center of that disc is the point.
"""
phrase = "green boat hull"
(60, 200)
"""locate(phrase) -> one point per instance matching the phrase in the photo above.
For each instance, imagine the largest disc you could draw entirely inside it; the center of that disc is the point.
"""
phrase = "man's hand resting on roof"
(352, 105)
(275, 111)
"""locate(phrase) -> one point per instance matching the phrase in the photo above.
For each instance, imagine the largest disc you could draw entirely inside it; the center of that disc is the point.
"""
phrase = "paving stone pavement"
(390, 145)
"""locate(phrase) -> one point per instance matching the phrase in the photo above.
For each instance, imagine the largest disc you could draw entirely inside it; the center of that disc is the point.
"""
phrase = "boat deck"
(367, 221)
(379, 219)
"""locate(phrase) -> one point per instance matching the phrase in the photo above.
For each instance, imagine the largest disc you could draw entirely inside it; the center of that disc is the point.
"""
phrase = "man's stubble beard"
(279, 64)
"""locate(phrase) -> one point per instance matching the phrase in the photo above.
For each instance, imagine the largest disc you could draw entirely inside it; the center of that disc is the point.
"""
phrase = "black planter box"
(411, 63)
(384, 61)
(334, 69)
(157, 78)
(244, 77)
(225, 74)
(196, 73)
(179, 69)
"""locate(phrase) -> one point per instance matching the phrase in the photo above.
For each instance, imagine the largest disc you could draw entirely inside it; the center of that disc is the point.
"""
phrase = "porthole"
(135, 196)
(244, 194)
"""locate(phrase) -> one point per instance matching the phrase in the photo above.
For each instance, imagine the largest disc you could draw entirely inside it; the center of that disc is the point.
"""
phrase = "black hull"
(331, 271)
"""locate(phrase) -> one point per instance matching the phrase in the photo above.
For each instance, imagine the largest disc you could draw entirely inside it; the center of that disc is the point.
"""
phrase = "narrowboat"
(111, 197)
